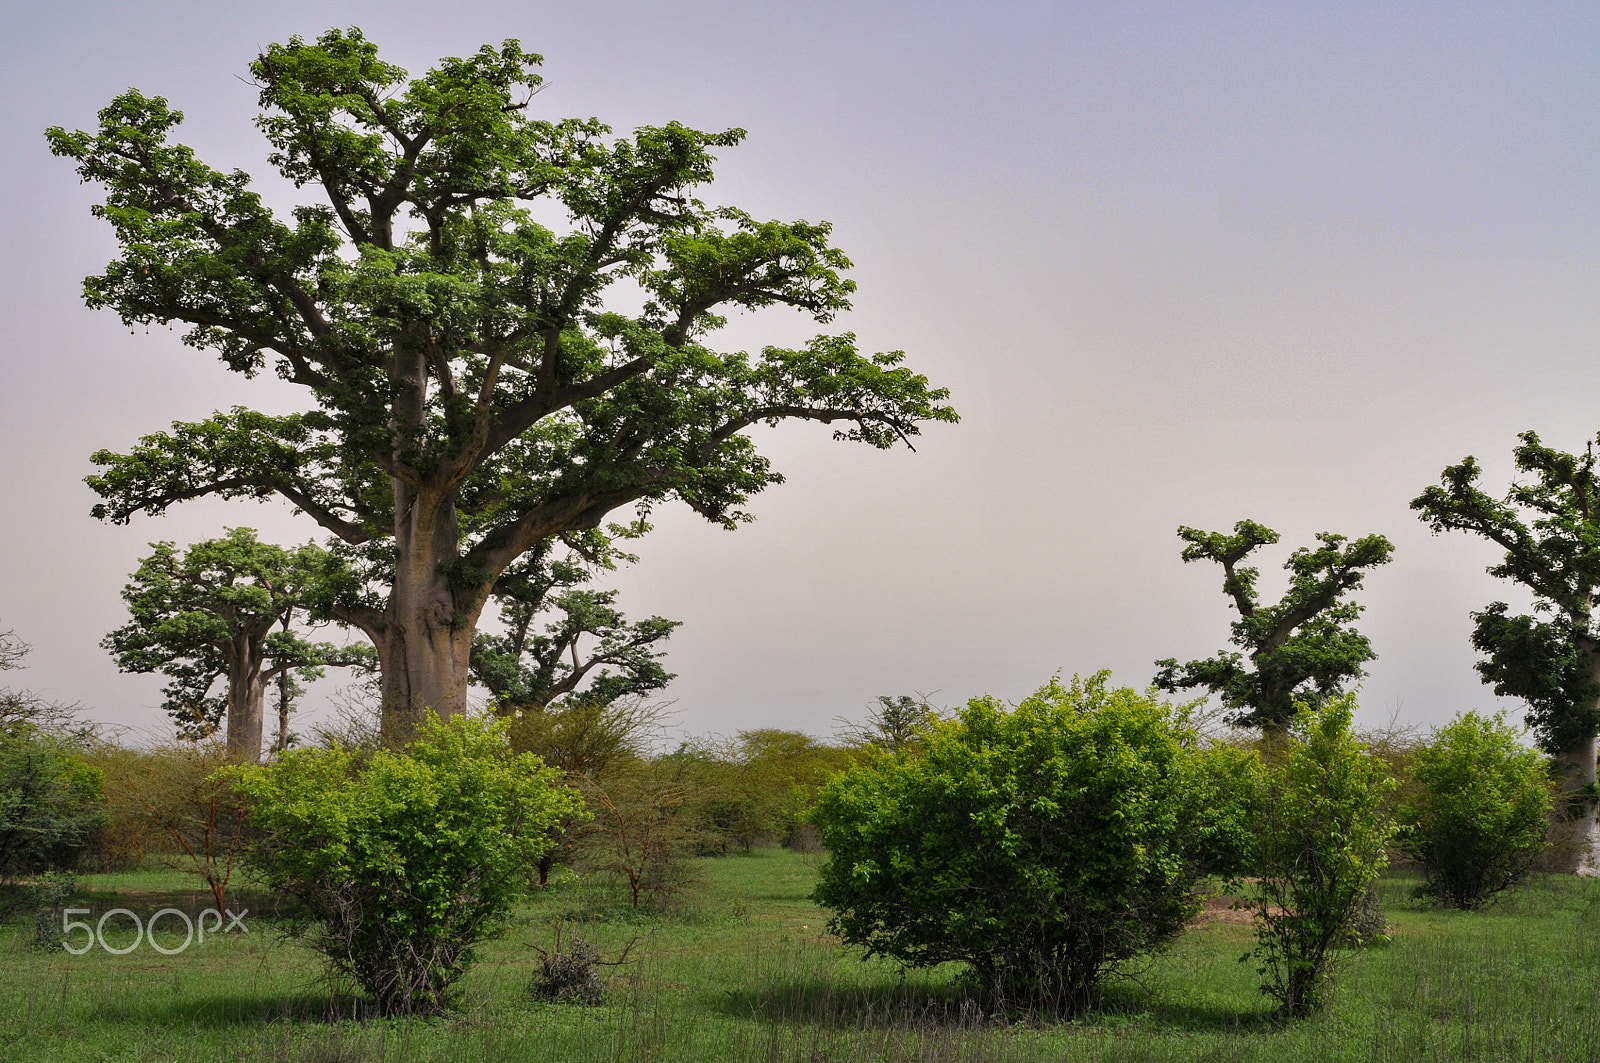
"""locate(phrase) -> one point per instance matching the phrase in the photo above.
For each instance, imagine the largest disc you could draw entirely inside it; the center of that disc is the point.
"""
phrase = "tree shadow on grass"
(820, 1000)
(223, 1010)
(260, 904)
(1178, 1017)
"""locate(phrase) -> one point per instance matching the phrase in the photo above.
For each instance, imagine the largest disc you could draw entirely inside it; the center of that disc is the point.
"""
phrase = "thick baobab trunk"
(1574, 830)
(426, 644)
(424, 660)
(246, 696)
(1275, 736)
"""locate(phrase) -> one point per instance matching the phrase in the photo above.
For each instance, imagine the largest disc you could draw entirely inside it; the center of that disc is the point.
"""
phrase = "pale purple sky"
(1179, 264)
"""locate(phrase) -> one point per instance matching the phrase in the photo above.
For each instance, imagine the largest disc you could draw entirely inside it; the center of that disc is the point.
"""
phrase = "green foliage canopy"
(585, 637)
(757, 786)
(1303, 647)
(1549, 528)
(1040, 845)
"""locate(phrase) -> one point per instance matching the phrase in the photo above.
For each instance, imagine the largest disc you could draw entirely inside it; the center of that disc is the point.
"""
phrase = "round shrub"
(403, 861)
(1479, 820)
(1039, 846)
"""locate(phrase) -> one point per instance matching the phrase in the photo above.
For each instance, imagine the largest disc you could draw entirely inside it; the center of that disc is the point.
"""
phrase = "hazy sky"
(1178, 263)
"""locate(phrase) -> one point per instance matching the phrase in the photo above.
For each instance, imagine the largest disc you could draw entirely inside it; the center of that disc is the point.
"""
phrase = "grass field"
(744, 970)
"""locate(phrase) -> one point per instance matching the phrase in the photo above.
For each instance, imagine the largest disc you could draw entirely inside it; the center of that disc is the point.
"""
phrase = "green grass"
(744, 971)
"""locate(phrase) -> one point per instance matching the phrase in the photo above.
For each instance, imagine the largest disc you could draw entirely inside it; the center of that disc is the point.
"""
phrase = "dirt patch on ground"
(1222, 909)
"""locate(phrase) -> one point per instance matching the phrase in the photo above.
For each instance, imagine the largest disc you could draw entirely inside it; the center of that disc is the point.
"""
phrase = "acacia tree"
(641, 831)
(896, 722)
(1303, 648)
(471, 394)
(18, 707)
(1549, 529)
(207, 613)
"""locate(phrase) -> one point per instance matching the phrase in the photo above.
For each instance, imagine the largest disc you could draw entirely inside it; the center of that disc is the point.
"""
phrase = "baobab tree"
(1302, 648)
(564, 640)
(470, 392)
(1549, 528)
(207, 614)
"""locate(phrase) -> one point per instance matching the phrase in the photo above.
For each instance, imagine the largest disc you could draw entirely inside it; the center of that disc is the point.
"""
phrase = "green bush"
(1322, 835)
(52, 804)
(402, 862)
(1479, 820)
(1040, 846)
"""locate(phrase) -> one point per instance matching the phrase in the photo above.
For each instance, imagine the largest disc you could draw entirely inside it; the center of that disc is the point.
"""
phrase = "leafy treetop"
(501, 312)
(1549, 528)
(1302, 647)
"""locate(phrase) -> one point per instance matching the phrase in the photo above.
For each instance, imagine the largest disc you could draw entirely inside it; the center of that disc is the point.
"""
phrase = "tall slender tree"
(470, 393)
(1301, 648)
(1549, 528)
(206, 614)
